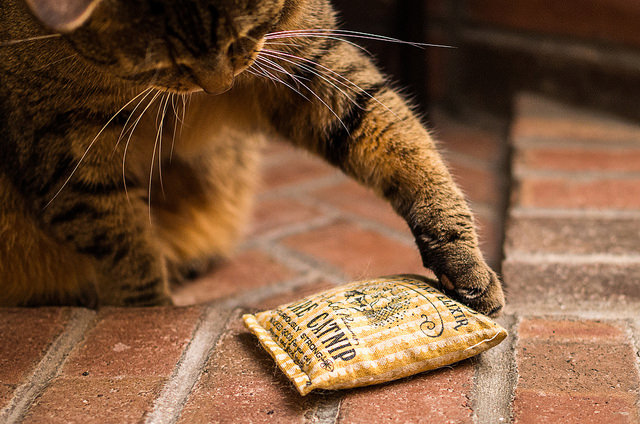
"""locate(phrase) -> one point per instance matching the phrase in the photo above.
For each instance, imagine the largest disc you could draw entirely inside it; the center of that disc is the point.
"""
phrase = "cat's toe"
(477, 287)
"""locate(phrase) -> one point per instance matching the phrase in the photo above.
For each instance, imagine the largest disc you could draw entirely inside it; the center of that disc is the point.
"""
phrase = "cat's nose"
(214, 78)
(213, 84)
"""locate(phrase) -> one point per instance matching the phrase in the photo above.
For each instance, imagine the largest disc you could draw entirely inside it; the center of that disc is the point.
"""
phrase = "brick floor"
(571, 269)
(442, 396)
(571, 265)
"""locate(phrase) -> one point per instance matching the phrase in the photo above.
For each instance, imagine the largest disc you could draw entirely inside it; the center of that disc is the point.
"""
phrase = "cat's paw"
(476, 286)
(464, 275)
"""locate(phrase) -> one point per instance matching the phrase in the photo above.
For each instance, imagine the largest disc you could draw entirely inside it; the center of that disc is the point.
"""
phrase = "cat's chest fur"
(187, 129)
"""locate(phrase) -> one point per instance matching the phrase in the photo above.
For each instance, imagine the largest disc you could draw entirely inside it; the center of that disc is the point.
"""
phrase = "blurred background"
(585, 52)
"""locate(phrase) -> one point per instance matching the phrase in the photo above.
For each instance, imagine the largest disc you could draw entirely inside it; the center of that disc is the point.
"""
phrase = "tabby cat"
(129, 138)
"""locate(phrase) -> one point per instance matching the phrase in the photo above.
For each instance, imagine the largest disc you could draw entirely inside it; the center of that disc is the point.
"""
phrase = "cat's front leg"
(367, 130)
(97, 219)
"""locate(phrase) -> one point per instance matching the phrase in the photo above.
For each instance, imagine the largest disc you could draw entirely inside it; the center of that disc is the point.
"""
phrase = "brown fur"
(72, 233)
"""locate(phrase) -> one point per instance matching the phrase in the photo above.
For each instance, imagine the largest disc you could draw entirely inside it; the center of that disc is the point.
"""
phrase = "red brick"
(568, 130)
(270, 215)
(26, 335)
(246, 271)
(601, 369)
(442, 396)
(477, 183)
(490, 238)
(614, 20)
(120, 368)
(601, 193)
(133, 343)
(241, 383)
(359, 253)
(300, 168)
(356, 199)
(531, 406)
(568, 282)
(96, 400)
(576, 159)
(571, 330)
(573, 234)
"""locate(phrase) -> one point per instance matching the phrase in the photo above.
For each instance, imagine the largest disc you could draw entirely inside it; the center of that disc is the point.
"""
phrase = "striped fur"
(85, 226)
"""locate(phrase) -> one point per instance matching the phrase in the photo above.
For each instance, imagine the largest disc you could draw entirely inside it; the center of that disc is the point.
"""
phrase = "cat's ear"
(62, 15)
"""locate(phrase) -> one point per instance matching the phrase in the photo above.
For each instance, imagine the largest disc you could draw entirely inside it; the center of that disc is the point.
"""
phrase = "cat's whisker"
(124, 131)
(159, 110)
(328, 37)
(164, 115)
(351, 34)
(126, 147)
(254, 73)
(276, 43)
(157, 147)
(189, 100)
(308, 69)
(313, 72)
(276, 79)
(324, 103)
(279, 68)
(184, 111)
(270, 64)
(279, 55)
(263, 73)
(259, 72)
(28, 40)
(124, 128)
(175, 125)
(331, 71)
(86, 152)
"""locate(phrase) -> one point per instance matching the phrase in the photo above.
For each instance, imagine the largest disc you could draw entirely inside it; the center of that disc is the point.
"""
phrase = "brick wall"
(404, 20)
(583, 51)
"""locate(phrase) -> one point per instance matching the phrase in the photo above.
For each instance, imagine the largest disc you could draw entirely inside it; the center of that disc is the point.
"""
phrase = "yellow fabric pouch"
(370, 332)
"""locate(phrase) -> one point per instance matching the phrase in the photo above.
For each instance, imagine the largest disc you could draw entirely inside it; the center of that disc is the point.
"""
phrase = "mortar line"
(528, 212)
(452, 157)
(290, 230)
(48, 368)
(496, 377)
(169, 404)
(327, 410)
(294, 259)
(582, 311)
(259, 294)
(573, 258)
(330, 214)
(522, 172)
(594, 144)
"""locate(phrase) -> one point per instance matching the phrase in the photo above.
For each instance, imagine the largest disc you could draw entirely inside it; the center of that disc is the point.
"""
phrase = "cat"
(130, 136)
